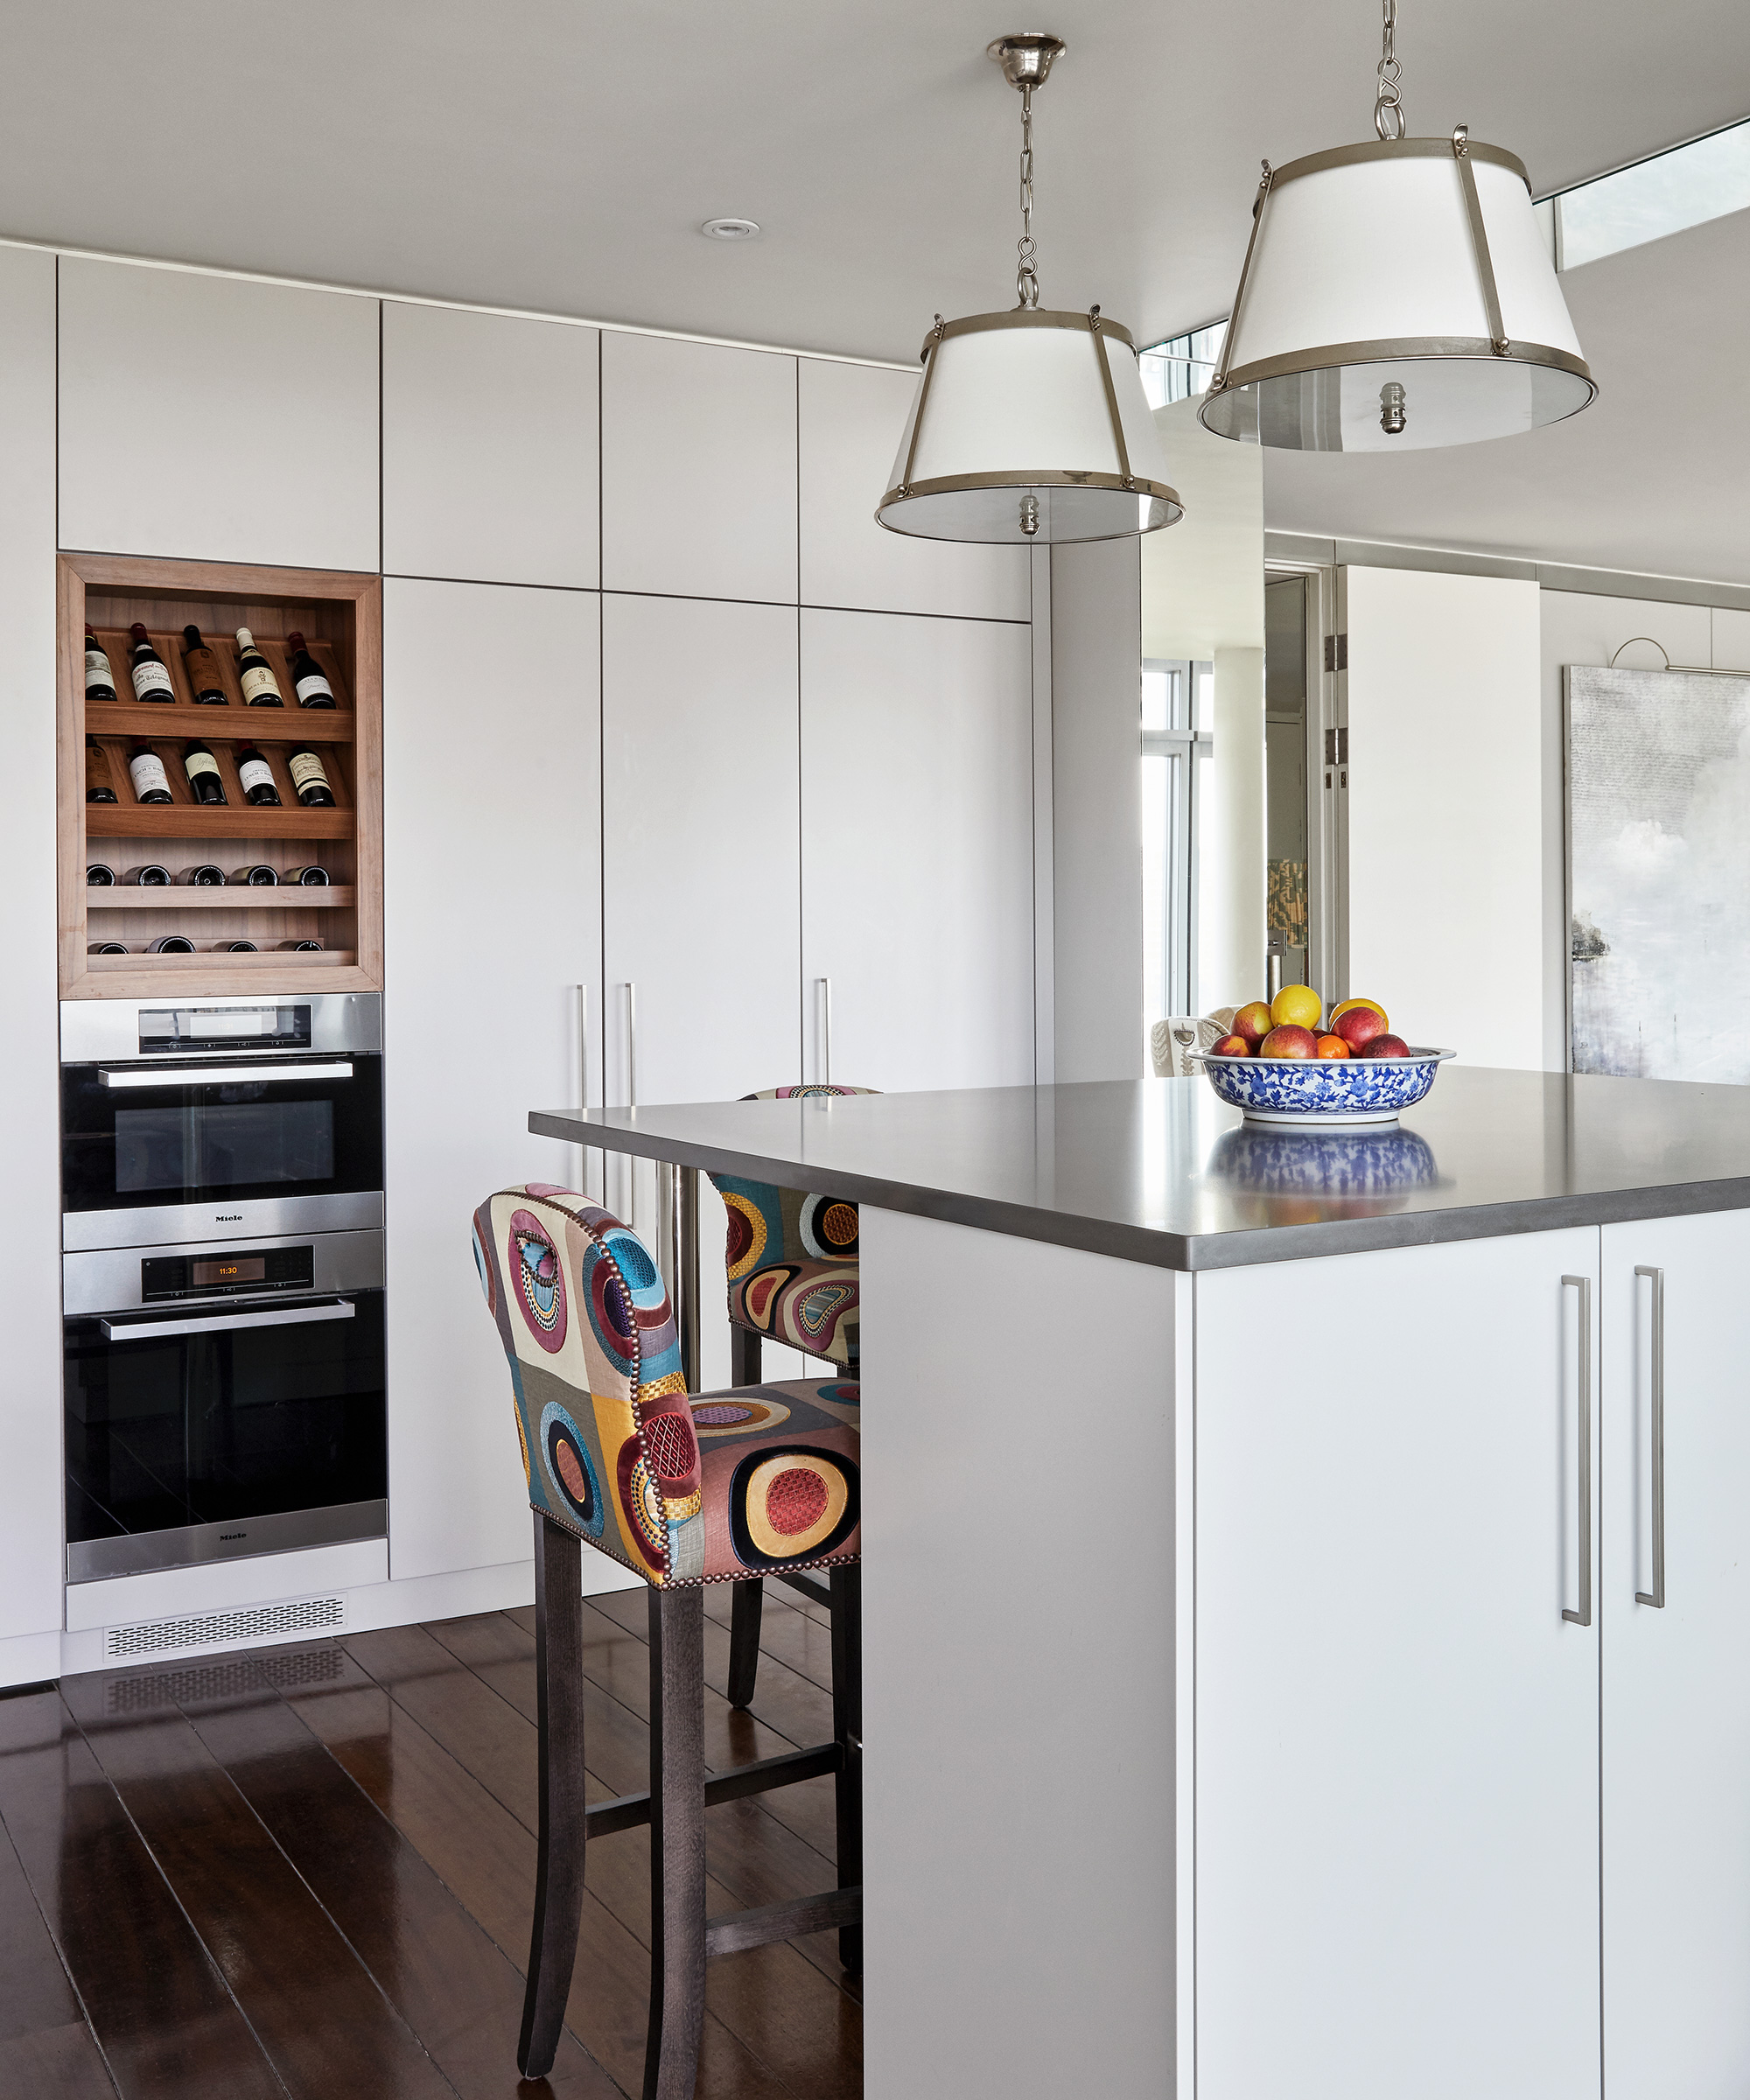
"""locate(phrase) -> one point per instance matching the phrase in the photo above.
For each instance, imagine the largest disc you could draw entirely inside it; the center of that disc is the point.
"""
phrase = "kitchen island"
(1305, 1584)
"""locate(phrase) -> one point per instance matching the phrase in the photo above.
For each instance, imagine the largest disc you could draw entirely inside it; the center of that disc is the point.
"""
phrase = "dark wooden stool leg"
(847, 1728)
(559, 1869)
(677, 1844)
(745, 1603)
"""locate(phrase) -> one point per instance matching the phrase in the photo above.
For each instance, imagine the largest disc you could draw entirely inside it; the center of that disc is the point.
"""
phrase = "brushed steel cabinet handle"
(1656, 1597)
(825, 1004)
(1583, 1284)
(631, 1046)
(226, 1323)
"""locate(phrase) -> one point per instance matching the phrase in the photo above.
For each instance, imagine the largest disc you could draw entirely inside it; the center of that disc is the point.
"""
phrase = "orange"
(1385, 1018)
(1296, 1006)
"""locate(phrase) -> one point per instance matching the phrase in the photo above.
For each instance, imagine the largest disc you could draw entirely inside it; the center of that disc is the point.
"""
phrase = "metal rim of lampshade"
(1109, 483)
(1476, 381)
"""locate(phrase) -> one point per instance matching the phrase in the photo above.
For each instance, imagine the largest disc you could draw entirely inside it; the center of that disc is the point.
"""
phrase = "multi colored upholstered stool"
(683, 1489)
(793, 1277)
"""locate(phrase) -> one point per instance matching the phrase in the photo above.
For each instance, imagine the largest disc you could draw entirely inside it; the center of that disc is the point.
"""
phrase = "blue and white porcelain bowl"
(1322, 1092)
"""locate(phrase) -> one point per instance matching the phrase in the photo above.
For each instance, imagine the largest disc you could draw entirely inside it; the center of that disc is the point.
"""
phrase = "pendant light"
(1029, 426)
(1395, 295)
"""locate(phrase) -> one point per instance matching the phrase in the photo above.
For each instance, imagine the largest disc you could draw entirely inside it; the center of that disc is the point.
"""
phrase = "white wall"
(1230, 836)
(1447, 809)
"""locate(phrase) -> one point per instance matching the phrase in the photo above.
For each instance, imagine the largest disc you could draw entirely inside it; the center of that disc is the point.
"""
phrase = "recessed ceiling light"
(730, 229)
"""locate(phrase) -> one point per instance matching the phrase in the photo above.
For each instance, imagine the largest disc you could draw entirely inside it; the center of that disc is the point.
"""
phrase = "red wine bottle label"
(314, 686)
(306, 770)
(200, 761)
(152, 678)
(148, 774)
(203, 670)
(97, 671)
(258, 680)
(254, 772)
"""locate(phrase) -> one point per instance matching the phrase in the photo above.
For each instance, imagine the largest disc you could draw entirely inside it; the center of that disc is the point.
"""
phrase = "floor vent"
(206, 1629)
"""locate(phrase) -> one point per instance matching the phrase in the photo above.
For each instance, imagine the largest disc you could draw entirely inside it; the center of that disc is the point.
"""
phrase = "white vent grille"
(206, 1629)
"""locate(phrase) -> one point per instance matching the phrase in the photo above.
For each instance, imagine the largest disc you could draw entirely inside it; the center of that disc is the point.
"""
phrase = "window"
(1177, 699)
(1686, 186)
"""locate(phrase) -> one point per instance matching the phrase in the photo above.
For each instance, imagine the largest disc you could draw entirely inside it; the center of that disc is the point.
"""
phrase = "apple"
(1386, 1046)
(1289, 1041)
(1359, 1025)
(1331, 1046)
(1232, 1046)
(1253, 1023)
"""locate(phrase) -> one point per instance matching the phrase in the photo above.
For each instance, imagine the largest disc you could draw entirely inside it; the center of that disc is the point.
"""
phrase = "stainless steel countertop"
(1159, 1171)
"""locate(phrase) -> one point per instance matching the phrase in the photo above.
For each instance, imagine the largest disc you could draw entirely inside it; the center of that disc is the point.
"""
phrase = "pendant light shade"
(1036, 386)
(1396, 295)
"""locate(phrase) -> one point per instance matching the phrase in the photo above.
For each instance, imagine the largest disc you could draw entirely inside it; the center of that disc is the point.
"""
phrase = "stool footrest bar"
(741, 1929)
(632, 1811)
(809, 1585)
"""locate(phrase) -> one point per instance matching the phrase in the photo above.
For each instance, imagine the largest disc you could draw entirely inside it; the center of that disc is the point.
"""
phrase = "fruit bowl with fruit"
(1285, 1063)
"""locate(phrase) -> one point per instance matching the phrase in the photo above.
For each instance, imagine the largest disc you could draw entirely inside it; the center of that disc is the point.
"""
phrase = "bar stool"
(683, 1489)
(793, 1277)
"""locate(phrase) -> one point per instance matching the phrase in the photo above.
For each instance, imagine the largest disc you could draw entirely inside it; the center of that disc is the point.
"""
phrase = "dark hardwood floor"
(307, 1872)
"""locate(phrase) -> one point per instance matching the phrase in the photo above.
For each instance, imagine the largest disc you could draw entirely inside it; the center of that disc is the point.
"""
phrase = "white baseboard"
(32, 1658)
(461, 1591)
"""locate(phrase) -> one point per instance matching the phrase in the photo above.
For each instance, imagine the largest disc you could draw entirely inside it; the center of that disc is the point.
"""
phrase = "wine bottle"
(309, 779)
(242, 948)
(171, 944)
(149, 670)
(261, 876)
(107, 947)
(100, 876)
(205, 783)
(100, 680)
(307, 682)
(309, 879)
(261, 688)
(257, 776)
(204, 679)
(145, 769)
(301, 947)
(150, 876)
(99, 786)
(204, 876)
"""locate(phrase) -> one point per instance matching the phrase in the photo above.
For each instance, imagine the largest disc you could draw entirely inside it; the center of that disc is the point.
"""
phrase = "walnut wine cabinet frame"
(340, 615)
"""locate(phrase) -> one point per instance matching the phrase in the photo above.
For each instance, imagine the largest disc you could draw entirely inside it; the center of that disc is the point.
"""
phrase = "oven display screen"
(229, 1144)
(228, 1269)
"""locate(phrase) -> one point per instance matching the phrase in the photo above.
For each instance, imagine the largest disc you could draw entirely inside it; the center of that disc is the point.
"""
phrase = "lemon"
(1296, 1006)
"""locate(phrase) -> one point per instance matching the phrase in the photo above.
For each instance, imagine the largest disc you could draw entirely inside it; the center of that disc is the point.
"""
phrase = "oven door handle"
(221, 1076)
(226, 1323)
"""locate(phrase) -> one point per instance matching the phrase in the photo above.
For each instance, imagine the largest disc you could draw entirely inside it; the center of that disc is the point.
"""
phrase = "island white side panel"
(1018, 1666)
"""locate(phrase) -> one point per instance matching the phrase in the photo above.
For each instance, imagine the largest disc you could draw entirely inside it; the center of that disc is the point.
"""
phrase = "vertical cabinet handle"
(584, 1080)
(631, 1046)
(1656, 1597)
(1583, 1284)
(823, 991)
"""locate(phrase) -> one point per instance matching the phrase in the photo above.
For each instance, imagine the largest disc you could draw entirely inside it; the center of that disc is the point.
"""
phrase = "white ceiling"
(560, 156)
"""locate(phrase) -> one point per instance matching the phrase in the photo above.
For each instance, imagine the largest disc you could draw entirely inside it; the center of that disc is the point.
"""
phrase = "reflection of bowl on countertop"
(1312, 1091)
(1323, 1162)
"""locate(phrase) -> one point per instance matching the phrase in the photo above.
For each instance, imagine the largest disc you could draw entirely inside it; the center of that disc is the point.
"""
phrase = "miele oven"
(222, 1278)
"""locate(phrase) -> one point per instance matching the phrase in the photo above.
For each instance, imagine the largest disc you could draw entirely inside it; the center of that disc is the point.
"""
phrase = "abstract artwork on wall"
(1658, 780)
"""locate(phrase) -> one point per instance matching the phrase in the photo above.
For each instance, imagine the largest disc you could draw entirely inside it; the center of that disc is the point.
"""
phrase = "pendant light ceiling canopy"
(1394, 296)
(1032, 426)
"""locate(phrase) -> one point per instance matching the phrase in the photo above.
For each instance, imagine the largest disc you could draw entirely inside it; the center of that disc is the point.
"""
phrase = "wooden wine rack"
(340, 616)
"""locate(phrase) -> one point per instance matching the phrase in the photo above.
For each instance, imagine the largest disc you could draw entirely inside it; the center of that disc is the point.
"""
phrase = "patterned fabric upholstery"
(792, 1256)
(711, 1488)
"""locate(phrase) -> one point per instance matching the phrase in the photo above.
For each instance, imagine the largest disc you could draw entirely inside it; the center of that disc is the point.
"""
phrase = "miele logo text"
(225, 1534)
(228, 1217)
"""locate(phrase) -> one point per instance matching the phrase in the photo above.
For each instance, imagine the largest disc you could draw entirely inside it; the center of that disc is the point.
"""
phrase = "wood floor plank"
(54, 2063)
(168, 2028)
(317, 2011)
(38, 1996)
(456, 1990)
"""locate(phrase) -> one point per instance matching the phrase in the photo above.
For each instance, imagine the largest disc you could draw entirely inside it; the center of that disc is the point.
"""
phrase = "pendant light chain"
(1027, 277)
(1387, 108)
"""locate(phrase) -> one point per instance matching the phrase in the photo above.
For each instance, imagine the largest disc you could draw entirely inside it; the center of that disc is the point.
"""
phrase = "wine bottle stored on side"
(205, 681)
(171, 944)
(261, 688)
(205, 783)
(100, 680)
(204, 876)
(309, 879)
(146, 770)
(101, 876)
(257, 776)
(100, 785)
(307, 681)
(242, 948)
(107, 947)
(148, 670)
(310, 778)
(261, 876)
(301, 947)
(149, 875)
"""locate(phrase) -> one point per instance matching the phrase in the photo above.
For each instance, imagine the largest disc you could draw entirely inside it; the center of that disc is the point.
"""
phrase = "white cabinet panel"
(849, 419)
(1676, 1695)
(1397, 1730)
(217, 420)
(917, 848)
(698, 469)
(493, 915)
(489, 447)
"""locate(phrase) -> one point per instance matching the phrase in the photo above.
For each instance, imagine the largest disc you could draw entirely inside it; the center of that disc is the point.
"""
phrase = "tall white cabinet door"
(918, 850)
(1677, 1690)
(490, 427)
(493, 917)
(216, 420)
(1396, 1729)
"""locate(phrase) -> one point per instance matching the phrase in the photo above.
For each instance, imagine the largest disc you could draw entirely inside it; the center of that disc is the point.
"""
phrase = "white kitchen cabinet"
(1675, 1710)
(917, 850)
(490, 427)
(849, 418)
(698, 469)
(492, 916)
(216, 419)
(1396, 1729)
